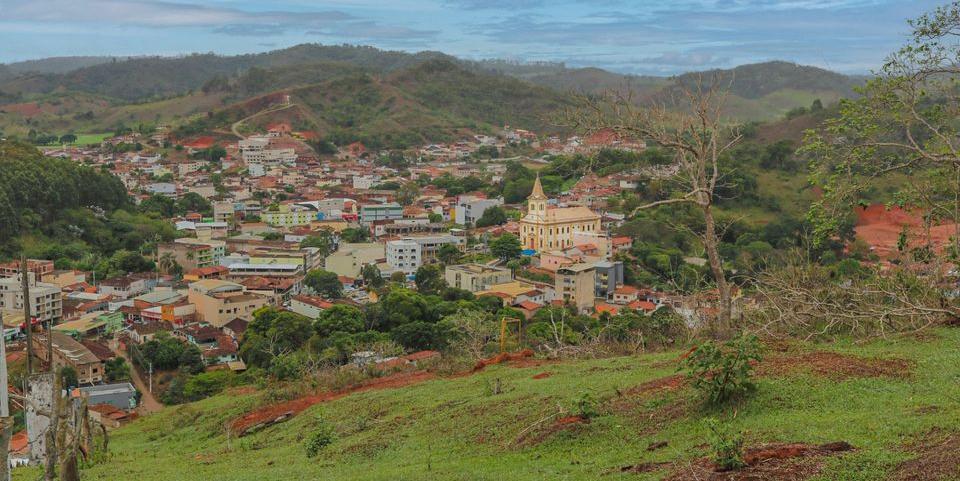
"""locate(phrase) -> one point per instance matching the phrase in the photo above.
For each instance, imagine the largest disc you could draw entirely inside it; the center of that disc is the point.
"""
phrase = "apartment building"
(469, 208)
(576, 284)
(288, 215)
(219, 302)
(404, 255)
(193, 253)
(69, 352)
(46, 303)
(350, 258)
(371, 213)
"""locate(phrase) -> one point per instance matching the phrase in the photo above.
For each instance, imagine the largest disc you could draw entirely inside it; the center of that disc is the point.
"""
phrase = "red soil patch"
(936, 459)
(669, 383)
(880, 227)
(29, 109)
(542, 375)
(275, 413)
(834, 365)
(502, 358)
(782, 462)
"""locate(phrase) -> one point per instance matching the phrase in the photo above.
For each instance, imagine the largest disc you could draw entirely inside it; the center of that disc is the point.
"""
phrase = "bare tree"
(692, 127)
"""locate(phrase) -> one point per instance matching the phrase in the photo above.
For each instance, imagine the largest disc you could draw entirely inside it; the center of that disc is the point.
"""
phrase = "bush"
(322, 437)
(585, 406)
(722, 372)
(727, 446)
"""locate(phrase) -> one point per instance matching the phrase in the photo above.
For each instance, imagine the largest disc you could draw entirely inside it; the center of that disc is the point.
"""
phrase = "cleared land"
(893, 401)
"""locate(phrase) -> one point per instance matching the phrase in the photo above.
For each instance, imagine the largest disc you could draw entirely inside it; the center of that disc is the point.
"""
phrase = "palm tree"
(167, 263)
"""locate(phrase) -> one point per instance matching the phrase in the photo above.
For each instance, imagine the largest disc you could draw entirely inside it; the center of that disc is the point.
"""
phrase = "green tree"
(429, 279)
(340, 318)
(371, 276)
(492, 216)
(322, 240)
(506, 247)
(354, 234)
(449, 254)
(68, 377)
(116, 369)
(325, 283)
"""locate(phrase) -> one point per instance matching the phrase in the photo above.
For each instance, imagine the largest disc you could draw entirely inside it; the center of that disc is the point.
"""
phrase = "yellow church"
(552, 228)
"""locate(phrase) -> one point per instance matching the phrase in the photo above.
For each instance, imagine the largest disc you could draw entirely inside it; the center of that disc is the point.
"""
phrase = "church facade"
(552, 228)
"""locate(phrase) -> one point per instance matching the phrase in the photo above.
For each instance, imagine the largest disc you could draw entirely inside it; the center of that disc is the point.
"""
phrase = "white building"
(404, 255)
(470, 208)
(46, 303)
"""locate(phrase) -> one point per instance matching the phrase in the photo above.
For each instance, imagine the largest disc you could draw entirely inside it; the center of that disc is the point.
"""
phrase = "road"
(148, 403)
(235, 128)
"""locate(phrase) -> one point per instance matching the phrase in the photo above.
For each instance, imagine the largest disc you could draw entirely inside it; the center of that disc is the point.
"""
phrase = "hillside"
(434, 100)
(891, 400)
(50, 94)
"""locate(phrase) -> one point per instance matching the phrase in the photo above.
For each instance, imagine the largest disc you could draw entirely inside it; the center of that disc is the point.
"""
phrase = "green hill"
(893, 400)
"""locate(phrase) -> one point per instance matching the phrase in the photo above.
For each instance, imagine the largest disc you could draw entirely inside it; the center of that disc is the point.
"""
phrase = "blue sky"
(630, 36)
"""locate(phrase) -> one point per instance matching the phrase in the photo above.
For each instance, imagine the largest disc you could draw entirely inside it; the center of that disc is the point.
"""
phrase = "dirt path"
(235, 128)
(148, 403)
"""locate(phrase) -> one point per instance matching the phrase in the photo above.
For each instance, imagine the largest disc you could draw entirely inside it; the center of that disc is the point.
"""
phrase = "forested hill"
(81, 217)
(762, 91)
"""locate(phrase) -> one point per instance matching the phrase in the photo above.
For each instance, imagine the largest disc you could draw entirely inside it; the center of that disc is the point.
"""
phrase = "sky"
(656, 37)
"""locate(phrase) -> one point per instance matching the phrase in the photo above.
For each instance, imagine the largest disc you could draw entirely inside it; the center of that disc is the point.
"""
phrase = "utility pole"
(151, 378)
(25, 284)
(6, 423)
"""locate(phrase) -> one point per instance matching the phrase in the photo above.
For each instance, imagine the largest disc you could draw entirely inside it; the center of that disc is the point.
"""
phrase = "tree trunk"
(710, 243)
(6, 425)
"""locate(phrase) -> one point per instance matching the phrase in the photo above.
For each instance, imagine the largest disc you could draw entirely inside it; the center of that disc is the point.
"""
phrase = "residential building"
(476, 277)
(123, 287)
(39, 267)
(576, 284)
(404, 255)
(69, 352)
(371, 213)
(470, 208)
(309, 306)
(219, 302)
(288, 215)
(120, 395)
(546, 228)
(46, 303)
(350, 258)
(192, 253)
(609, 276)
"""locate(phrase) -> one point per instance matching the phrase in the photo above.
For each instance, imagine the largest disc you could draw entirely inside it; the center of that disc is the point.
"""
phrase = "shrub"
(727, 446)
(585, 406)
(322, 437)
(721, 372)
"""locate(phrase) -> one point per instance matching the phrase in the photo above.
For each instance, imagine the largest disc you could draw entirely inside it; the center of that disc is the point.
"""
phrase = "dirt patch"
(542, 375)
(642, 468)
(881, 227)
(505, 357)
(834, 365)
(567, 423)
(277, 413)
(781, 462)
(669, 383)
(937, 459)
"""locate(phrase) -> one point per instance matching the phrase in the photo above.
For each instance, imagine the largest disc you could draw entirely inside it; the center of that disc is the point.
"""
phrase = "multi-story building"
(46, 303)
(476, 277)
(371, 213)
(219, 302)
(69, 352)
(470, 208)
(609, 276)
(553, 228)
(365, 181)
(576, 284)
(288, 215)
(404, 255)
(350, 258)
(39, 267)
(192, 253)
(123, 287)
(224, 212)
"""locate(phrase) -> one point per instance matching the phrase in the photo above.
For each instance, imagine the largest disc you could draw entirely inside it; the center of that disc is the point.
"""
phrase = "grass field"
(86, 139)
(458, 429)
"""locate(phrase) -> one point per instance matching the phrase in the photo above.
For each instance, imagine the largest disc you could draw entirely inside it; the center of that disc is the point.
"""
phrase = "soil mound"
(834, 365)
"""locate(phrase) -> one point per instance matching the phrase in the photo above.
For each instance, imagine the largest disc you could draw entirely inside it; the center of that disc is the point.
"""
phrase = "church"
(552, 228)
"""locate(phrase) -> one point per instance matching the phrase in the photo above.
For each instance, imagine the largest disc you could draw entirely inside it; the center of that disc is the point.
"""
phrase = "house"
(515, 293)
(235, 328)
(625, 295)
(123, 287)
(309, 306)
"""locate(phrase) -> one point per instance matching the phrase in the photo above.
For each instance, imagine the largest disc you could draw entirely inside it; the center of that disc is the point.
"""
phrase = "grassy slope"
(455, 429)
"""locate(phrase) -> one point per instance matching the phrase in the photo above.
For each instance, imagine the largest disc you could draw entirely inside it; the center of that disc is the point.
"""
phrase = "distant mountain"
(52, 95)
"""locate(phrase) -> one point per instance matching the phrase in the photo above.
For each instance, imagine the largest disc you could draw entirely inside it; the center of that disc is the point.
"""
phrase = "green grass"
(456, 429)
(86, 139)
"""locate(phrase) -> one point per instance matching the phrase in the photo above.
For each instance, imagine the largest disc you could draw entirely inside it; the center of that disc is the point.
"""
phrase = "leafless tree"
(691, 125)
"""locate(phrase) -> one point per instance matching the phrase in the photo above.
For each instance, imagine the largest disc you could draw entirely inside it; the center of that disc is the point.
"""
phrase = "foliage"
(727, 446)
(273, 333)
(68, 377)
(166, 352)
(449, 254)
(322, 436)
(355, 234)
(722, 372)
(585, 406)
(116, 369)
(371, 276)
(322, 240)
(492, 216)
(429, 279)
(325, 283)
(506, 247)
